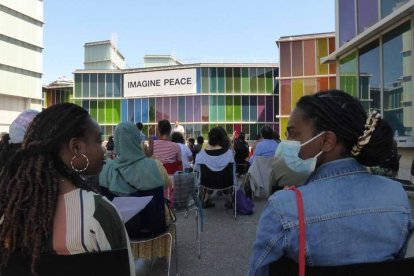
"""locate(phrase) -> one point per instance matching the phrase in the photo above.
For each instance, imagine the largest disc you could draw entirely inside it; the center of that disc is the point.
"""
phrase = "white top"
(185, 154)
(179, 128)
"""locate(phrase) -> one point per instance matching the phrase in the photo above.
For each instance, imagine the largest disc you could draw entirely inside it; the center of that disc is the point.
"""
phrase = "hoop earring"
(79, 170)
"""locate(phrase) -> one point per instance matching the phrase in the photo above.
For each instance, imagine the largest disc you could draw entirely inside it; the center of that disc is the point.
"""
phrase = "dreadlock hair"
(29, 182)
(339, 112)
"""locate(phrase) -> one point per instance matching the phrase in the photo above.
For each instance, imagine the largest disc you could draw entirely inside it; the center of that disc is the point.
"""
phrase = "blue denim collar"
(337, 167)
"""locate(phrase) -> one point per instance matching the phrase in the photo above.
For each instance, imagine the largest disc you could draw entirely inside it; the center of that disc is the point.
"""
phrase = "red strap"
(302, 232)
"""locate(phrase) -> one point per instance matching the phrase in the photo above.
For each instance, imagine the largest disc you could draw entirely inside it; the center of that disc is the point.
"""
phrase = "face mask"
(282, 176)
(288, 151)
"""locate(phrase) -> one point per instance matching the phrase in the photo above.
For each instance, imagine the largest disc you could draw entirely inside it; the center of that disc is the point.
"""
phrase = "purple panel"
(269, 109)
(205, 111)
(261, 108)
(367, 14)
(166, 106)
(197, 108)
(346, 20)
(189, 112)
(174, 108)
(158, 109)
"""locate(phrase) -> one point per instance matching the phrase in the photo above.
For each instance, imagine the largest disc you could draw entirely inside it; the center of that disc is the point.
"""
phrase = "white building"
(103, 55)
(21, 46)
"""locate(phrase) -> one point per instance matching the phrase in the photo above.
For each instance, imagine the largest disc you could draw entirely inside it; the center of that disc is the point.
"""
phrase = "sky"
(190, 30)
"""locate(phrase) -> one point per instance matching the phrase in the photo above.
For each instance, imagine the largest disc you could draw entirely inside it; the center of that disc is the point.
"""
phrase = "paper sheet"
(130, 206)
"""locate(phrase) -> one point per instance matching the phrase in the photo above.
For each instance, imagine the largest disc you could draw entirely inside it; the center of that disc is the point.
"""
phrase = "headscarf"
(19, 126)
(131, 170)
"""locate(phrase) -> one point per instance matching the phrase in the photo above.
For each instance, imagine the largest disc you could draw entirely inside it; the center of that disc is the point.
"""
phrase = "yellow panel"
(322, 52)
(282, 127)
(297, 91)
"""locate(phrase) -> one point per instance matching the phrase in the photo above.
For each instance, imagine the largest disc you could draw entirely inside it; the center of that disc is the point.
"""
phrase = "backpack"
(244, 204)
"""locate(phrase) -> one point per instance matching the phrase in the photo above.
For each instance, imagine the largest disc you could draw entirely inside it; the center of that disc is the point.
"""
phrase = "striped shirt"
(167, 151)
(87, 222)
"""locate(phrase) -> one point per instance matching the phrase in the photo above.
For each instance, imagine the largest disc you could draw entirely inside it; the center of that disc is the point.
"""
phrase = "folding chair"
(186, 200)
(218, 181)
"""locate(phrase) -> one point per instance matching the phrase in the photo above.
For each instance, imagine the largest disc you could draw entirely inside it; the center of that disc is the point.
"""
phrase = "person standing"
(178, 128)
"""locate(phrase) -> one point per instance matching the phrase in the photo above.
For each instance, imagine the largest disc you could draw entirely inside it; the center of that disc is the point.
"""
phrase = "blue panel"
(198, 80)
(245, 108)
(124, 110)
(145, 110)
(137, 110)
(181, 109)
(117, 85)
(253, 108)
(131, 110)
(85, 105)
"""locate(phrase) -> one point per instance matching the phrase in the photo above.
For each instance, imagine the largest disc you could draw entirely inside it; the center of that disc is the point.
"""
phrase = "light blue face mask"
(288, 151)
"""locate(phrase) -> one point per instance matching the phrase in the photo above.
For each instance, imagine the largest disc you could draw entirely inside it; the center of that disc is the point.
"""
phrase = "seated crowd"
(49, 206)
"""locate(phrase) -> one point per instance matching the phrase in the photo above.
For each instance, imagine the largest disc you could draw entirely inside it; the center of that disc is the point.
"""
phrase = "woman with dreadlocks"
(46, 206)
(350, 215)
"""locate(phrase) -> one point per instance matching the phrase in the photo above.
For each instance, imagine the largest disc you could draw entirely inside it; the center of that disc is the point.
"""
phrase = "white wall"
(32, 8)
(10, 108)
(20, 57)
(15, 84)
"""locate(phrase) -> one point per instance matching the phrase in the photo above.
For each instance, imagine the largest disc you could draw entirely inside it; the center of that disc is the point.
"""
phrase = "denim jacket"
(351, 216)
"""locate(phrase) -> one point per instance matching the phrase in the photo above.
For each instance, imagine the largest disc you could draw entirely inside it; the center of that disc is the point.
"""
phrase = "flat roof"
(304, 37)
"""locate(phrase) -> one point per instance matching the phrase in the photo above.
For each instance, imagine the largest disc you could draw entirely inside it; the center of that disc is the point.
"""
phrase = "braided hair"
(29, 182)
(339, 112)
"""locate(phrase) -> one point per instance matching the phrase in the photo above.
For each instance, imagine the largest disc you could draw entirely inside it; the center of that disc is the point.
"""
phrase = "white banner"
(160, 83)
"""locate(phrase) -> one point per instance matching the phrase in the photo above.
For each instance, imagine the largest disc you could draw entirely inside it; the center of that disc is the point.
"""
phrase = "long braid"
(29, 182)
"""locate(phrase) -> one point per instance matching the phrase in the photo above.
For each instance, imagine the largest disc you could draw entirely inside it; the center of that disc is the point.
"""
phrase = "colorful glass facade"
(301, 70)
(237, 97)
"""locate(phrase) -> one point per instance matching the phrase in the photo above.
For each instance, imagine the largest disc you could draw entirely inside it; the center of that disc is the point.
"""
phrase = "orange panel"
(285, 97)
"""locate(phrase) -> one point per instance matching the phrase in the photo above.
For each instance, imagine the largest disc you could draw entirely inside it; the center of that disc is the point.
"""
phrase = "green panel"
(117, 111)
(151, 110)
(229, 80)
(204, 130)
(85, 85)
(348, 74)
(109, 112)
(269, 81)
(78, 102)
(253, 131)
(213, 108)
(221, 108)
(323, 69)
(220, 82)
(253, 80)
(204, 80)
(93, 110)
(237, 80)
(237, 108)
(229, 109)
(261, 85)
(229, 129)
(101, 112)
(213, 80)
(78, 85)
(245, 80)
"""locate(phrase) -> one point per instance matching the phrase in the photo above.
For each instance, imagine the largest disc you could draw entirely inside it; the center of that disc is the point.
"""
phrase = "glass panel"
(323, 84)
(151, 110)
(94, 85)
(310, 54)
(137, 104)
(204, 80)
(367, 14)
(229, 109)
(246, 129)
(253, 108)
(189, 109)
(276, 107)
(297, 91)
(196, 132)
(93, 111)
(253, 131)
(347, 28)
(109, 112)
(204, 109)
(78, 102)
(229, 80)
(220, 80)
(198, 80)
(261, 80)
(131, 111)
(78, 85)
(197, 109)
(181, 109)
(332, 66)
(158, 110)
(117, 85)
(309, 86)
(204, 131)
(332, 83)
(166, 107)
(124, 110)
(145, 110)
(237, 108)
(245, 80)
(85, 85)
(269, 109)
(117, 111)
(101, 85)
(253, 80)
(269, 81)
(285, 97)
(348, 74)
(221, 108)
(322, 69)
(85, 105)
(245, 108)
(297, 58)
(275, 81)
(237, 80)
(285, 62)
(398, 79)
(261, 116)
(213, 80)
(109, 85)
(388, 6)
(189, 130)
(101, 112)
(213, 108)
(369, 76)
(174, 108)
